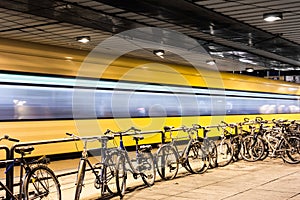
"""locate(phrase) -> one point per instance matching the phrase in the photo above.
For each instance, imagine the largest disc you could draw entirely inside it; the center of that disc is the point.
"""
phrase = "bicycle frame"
(84, 157)
(102, 179)
(24, 167)
(225, 133)
(275, 148)
(8, 192)
(182, 156)
(123, 151)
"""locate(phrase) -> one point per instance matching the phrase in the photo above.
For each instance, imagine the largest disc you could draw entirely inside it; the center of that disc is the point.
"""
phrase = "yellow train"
(47, 91)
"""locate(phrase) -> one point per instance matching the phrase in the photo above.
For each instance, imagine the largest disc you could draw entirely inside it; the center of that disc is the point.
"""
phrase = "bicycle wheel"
(211, 148)
(197, 160)
(225, 153)
(41, 183)
(99, 182)
(167, 163)
(236, 148)
(121, 175)
(80, 178)
(291, 148)
(110, 172)
(252, 149)
(146, 167)
(266, 150)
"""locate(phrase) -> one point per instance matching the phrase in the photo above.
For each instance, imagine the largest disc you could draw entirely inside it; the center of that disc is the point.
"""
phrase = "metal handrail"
(11, 156)
(7, 152)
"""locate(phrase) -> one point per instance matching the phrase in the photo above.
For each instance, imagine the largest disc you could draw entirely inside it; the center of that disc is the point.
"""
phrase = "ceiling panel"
(229, 26)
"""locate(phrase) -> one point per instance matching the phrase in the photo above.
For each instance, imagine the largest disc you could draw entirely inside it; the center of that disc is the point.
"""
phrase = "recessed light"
(83, 39)
(68, 57)
(211, 62)
(271, 17)
(249, 70)
(159, 53)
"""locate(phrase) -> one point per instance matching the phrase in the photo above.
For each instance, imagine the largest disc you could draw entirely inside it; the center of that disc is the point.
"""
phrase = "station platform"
(270, 179)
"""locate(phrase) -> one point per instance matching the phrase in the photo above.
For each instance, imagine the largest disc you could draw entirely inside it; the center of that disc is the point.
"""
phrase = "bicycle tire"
(211, 147)
(110, 173)
(167, 162)
(292, 152)
(99, 183)
(121, 175)
(197, 160)
(41, 183)
(252, 149)
(80, 178)
(266, 150)
(236, 146)
(225, 153)
(146, 167)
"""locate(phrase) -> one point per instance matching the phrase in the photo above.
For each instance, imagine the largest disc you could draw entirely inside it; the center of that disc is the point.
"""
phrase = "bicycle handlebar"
(133, 129)
(231, 125)
(279, 121)
(6, 137)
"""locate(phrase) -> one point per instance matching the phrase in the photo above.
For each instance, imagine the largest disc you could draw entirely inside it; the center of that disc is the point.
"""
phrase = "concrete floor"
(270, 179)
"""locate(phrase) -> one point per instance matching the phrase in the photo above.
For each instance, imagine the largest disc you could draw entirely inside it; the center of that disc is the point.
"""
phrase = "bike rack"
(10, 156)
(7, 152)
(10, 152)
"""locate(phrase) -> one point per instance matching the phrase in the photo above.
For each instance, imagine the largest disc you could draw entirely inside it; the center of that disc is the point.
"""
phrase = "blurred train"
(42, 97)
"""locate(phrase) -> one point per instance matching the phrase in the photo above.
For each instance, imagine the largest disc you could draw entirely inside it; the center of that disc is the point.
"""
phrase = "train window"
(26, 102)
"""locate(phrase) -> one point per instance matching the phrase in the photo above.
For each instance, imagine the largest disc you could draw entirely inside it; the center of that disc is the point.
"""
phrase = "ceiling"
(232, 31)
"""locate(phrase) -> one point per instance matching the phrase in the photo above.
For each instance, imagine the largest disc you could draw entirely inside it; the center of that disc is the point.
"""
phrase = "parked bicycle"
(37, 180)
(169, 157)
(141, 166)
(224, 146)
(253, 145)
(282, 144)
(208, 145)
(104, 171)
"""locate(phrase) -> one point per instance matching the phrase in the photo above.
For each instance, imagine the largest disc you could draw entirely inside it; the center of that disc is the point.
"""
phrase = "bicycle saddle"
(24, 150)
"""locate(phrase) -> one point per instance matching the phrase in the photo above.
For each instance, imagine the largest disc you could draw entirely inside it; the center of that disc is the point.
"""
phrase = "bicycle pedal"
(97, 183)
(135, 175)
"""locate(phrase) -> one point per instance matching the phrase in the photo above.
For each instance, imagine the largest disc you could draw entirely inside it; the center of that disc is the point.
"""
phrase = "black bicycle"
(141, 166)
(37, 180)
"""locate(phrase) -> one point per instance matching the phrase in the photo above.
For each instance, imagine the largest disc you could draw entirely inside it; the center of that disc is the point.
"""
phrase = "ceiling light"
(244, 60)
(211, 62)
(217, 54)
(211, 30)
(159, 53)
(271, 17)
(83, 39)
(249, 70)
(69, 58)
